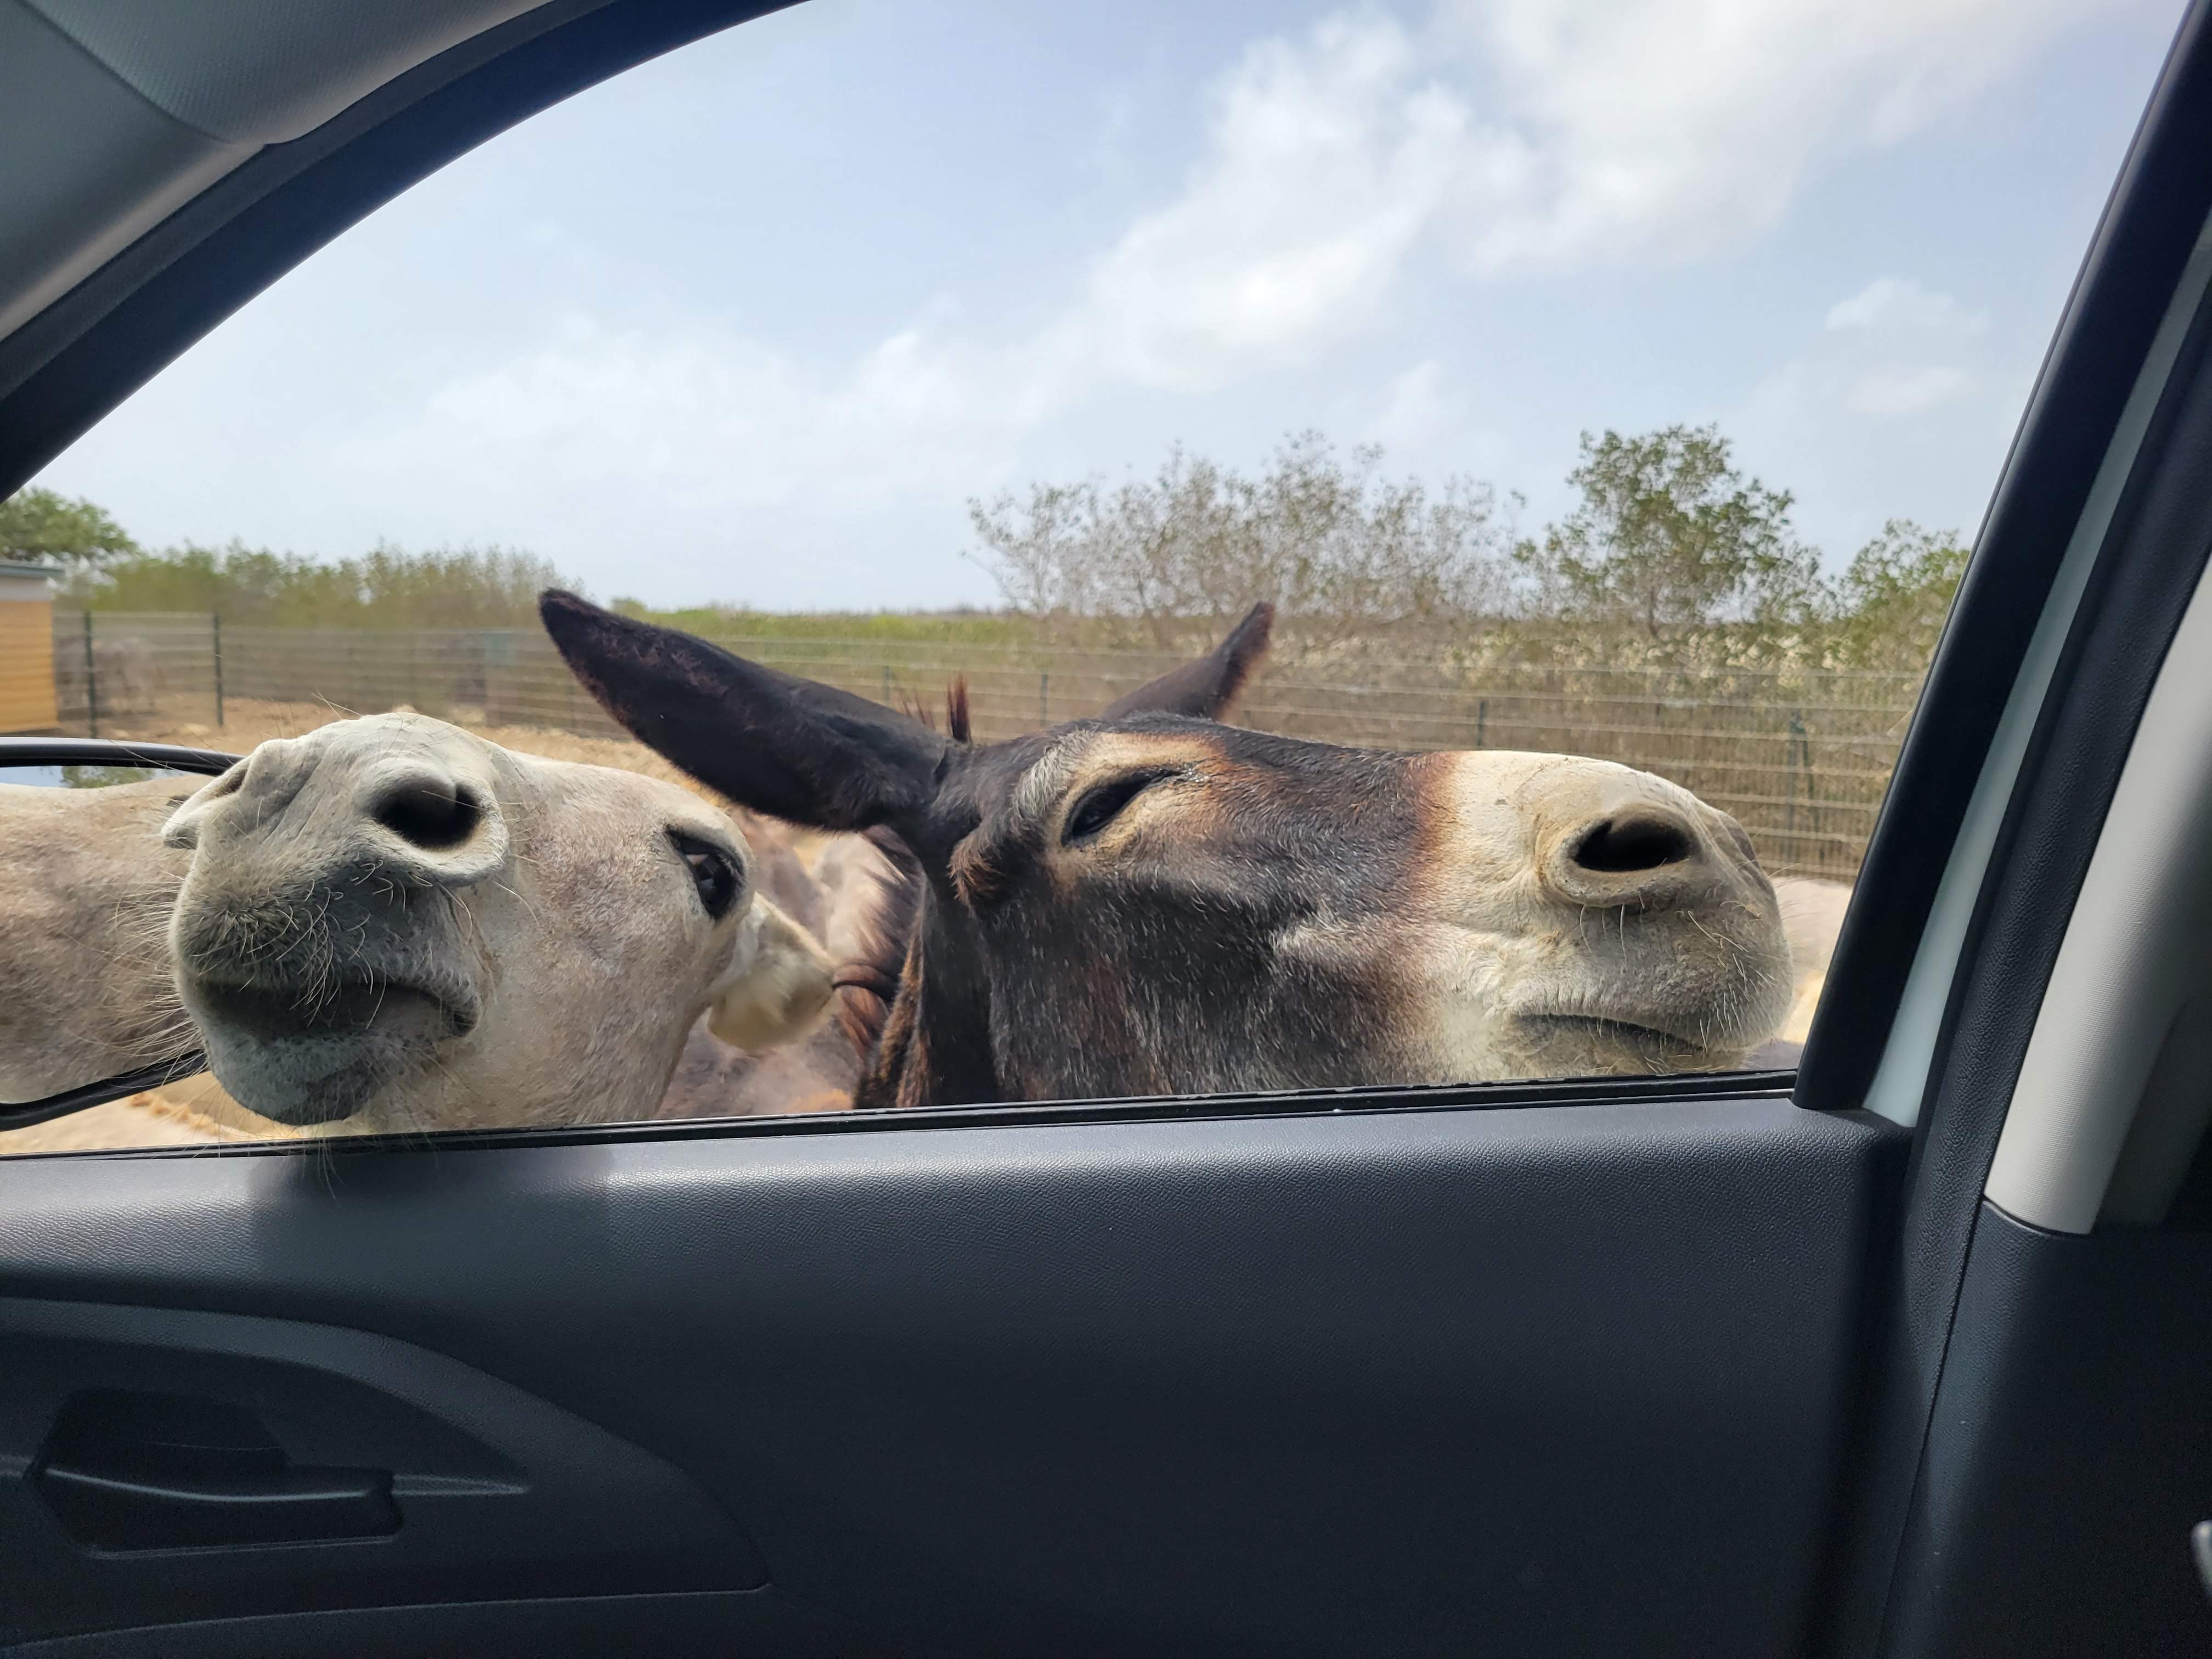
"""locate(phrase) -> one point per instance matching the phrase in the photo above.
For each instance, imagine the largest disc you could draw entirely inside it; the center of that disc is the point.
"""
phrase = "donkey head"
(1151, 902)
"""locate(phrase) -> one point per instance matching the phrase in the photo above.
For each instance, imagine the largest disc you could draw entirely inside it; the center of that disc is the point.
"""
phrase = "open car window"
(1209, 577)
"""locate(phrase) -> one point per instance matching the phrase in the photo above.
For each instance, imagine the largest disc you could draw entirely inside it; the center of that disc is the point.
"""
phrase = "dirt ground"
(192, 1112)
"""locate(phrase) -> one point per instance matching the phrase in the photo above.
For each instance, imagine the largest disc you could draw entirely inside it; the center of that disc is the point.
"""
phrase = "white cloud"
(705, 418)
(1894, 303)
(1893, 350)
(1327, 159)
(1892, 389)
(1344, 172)
(1898, 401)
(1522, 136)
(1419, 409)
(1667, 129)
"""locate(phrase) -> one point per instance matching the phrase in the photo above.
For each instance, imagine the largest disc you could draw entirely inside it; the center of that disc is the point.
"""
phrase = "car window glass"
(1093, 557)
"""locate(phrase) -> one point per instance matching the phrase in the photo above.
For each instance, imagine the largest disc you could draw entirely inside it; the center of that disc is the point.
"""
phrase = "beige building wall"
(27, 648)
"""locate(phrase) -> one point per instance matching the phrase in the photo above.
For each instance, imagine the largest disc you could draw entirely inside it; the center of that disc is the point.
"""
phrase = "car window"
(1089, 557)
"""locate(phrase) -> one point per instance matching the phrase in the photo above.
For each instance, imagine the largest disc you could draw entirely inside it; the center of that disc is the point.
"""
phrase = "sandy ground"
(191, 1112)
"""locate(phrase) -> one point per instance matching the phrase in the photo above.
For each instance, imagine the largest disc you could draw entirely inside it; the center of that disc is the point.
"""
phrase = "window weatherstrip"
(2123, 972)
(1901, 1078)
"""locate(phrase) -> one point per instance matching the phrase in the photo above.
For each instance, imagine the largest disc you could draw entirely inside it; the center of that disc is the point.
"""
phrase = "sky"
(755, 322)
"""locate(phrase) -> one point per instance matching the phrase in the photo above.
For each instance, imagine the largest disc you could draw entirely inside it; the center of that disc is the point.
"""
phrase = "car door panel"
(1412, 1380)
(501, 1494)
(2069, 1452)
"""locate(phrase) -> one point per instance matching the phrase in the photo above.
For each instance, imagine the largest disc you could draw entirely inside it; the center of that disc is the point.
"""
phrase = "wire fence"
(1801, 757)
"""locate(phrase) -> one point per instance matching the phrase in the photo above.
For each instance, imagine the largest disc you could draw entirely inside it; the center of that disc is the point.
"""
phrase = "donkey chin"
(1644, 1029)
(313, 1038)
(1602, 1045)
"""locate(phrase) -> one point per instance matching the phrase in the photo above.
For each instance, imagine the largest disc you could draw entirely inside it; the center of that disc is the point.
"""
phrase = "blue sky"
(752, 323)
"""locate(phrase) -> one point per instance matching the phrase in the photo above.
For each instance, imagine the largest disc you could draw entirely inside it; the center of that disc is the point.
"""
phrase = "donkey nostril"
(1634, 842)
(427, 816)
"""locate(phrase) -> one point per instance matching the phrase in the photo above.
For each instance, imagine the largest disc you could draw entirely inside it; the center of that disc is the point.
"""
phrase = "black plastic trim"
(2156, 211)
(2152, 562)
(755, 1623)
(2069, 1460)
(63, 371)
(2155, 558)
(22, 1115)
(109, 751)
(1184, 1108)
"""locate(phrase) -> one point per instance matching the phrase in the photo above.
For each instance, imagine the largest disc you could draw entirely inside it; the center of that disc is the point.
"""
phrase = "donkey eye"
(713, 872)
(1101, 803)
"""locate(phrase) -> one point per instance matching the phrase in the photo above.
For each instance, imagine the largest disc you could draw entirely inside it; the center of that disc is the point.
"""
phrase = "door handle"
(146, 1510)
(140, 1472)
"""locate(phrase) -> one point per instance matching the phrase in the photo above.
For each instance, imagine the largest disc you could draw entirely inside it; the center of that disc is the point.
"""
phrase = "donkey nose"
(1643, 855)
(427, 824)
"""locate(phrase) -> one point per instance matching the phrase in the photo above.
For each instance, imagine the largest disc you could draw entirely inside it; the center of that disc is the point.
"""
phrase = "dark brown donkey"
(1150, 902)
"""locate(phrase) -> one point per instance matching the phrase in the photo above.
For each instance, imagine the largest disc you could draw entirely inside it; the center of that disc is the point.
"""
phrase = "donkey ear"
(1205, 688)
(791, 748)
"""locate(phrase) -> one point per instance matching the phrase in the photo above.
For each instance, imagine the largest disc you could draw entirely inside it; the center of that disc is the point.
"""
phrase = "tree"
(1893, 601)
(1341, 551)
(387, 587)
(1670, 536)
(39, 526)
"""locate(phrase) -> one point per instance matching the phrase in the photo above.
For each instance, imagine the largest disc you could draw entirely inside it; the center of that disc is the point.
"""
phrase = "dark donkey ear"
(1205, 688)
(791, 748)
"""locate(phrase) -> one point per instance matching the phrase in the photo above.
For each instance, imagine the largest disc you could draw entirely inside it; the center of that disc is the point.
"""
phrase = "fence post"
(215, 634)
(1482, 723)
(91, 683)
(1812, 792)
(1791, 753)
(1044, 691)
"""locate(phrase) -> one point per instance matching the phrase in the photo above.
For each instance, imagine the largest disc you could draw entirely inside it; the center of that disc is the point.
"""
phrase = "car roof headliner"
(165, 163)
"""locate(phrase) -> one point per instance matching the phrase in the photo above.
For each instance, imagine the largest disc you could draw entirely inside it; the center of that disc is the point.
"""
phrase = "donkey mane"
(868, 981)
(958, 724)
